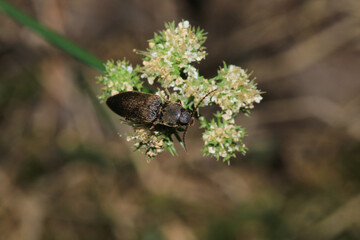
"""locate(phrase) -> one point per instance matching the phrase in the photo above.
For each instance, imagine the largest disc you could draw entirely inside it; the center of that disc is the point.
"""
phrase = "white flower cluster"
(235, 90)
(222, 138)
(152, 142)
(119, 77)
(168, 60)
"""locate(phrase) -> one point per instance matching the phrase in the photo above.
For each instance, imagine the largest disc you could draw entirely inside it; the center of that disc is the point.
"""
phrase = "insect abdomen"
(135, 106)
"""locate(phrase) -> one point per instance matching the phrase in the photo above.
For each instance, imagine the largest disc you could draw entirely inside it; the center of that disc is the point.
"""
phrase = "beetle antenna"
(197, 106)
(192, 114)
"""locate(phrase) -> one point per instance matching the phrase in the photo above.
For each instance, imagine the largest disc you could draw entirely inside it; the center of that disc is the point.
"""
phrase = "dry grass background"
(65, 174)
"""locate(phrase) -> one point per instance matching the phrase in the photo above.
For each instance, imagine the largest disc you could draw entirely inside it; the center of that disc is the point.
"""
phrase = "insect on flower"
(148, 108)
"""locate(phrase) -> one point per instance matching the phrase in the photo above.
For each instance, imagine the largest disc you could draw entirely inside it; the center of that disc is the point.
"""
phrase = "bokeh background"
(66, 174)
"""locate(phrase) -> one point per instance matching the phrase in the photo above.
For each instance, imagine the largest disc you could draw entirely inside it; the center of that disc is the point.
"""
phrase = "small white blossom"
(186, 24)
(211, 150)
(257, 98)
(151, 80)
(114, 92)
(227, 115)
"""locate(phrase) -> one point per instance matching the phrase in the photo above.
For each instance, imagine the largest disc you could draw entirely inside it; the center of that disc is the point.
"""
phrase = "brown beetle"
(149, 108)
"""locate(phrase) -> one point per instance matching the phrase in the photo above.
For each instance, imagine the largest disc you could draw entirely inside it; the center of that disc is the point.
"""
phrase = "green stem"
(54, 38)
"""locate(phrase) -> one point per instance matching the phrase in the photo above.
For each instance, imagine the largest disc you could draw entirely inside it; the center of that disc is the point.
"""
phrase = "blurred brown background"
(65, 174)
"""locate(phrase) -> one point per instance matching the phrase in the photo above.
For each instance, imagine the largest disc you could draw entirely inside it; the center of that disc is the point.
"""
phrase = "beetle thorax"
(173, 114)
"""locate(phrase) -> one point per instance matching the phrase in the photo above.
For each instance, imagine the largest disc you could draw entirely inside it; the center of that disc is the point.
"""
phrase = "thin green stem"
(54, 38)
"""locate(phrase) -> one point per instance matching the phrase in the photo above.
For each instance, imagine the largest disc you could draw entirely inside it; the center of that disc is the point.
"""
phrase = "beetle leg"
(192, 123)
(153, 125)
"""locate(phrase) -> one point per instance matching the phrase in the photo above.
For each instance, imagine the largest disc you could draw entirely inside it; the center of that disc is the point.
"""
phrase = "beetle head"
(185, 117)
